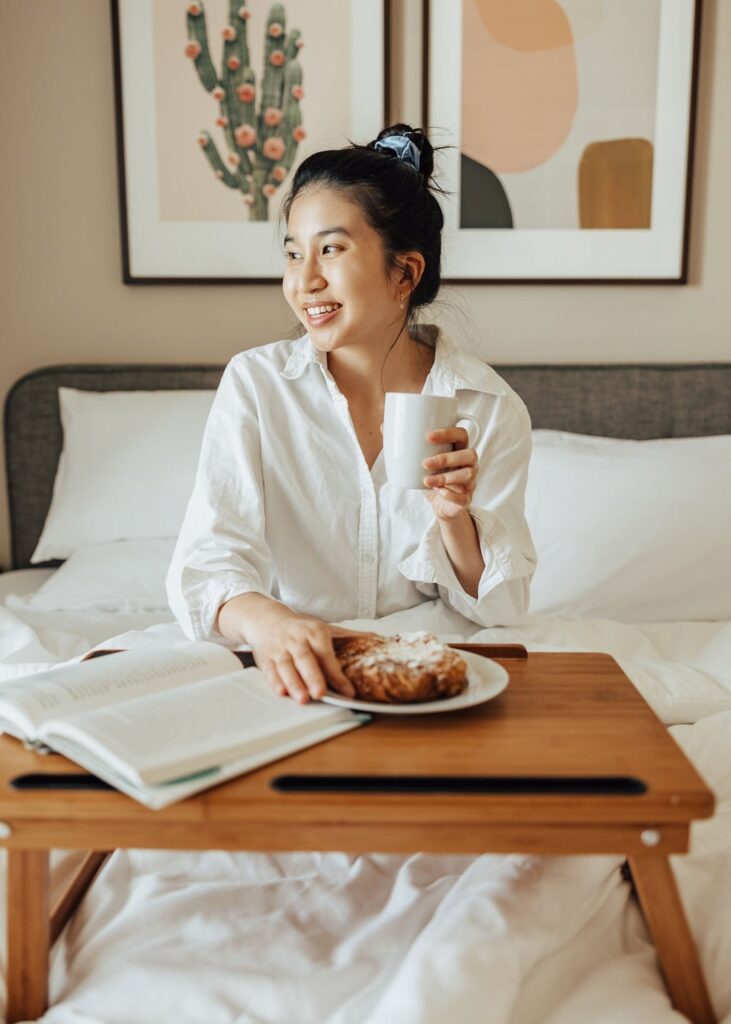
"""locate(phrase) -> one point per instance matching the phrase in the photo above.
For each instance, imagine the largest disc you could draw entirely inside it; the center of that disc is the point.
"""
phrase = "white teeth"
(319, 310)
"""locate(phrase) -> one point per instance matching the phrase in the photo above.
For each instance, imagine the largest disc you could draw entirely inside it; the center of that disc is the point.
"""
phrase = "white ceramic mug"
(407, 419)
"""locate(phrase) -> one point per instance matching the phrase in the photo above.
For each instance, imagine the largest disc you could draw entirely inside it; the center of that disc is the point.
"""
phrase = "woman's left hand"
(451, 483)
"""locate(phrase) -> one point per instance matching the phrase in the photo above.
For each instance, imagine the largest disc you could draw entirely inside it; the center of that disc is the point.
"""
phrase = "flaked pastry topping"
(407, 668)
(412, 649)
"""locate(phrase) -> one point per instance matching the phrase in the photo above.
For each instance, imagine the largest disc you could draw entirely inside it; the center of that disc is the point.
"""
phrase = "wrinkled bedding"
(335, 938)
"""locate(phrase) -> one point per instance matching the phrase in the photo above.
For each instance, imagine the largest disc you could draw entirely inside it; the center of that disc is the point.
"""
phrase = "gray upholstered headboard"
(634, 401)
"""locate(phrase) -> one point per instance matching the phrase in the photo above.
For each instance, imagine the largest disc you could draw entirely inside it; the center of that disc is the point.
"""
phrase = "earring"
(402, 303)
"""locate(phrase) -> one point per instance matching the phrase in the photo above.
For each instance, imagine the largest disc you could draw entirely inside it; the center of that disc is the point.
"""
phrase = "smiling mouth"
(319, 314)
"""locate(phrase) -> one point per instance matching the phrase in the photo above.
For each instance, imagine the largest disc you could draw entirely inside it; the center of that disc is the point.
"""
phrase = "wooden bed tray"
(570, 719)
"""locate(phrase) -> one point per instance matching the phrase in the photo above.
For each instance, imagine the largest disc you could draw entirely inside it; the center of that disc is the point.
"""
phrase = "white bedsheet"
(334, 938)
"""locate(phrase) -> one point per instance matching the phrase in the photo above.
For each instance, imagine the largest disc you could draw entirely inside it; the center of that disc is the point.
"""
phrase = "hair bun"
(417, 136)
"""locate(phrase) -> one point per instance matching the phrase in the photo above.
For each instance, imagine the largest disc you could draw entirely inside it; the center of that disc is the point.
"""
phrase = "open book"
(160, 725)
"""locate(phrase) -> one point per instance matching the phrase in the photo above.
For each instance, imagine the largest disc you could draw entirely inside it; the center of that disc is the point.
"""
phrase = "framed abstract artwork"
(218, 102)
(568, 132)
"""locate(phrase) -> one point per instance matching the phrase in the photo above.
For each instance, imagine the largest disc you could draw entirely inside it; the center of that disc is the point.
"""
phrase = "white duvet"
(334, 938)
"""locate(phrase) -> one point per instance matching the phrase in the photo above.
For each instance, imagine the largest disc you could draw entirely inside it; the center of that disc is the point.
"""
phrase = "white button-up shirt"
(284, 503)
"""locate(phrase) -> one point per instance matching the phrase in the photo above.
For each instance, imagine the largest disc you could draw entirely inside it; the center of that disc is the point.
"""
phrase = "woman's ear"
(411, 268)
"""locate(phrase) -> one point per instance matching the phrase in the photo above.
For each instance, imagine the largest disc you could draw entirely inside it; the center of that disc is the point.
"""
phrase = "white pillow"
(636, 531)
(123, 576)
(126, 469)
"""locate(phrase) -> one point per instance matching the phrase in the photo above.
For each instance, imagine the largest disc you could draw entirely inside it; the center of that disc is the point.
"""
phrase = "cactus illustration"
(261, 145)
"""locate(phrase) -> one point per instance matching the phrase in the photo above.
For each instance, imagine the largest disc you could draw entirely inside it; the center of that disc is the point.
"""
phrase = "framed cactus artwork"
(568, 131)
(218, 101)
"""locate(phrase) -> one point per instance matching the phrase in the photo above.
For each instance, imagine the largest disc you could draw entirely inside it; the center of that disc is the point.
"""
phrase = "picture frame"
(199, 200)
(555, 168)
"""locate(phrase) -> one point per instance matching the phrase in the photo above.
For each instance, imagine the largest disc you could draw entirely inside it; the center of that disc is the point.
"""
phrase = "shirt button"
(368, 557)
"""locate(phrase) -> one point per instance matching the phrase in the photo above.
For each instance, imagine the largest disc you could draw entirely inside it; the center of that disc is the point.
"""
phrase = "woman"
(291, 525)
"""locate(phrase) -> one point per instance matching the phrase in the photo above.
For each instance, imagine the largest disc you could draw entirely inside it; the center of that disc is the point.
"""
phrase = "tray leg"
(75, 890)
(660, 902)
(28, 933)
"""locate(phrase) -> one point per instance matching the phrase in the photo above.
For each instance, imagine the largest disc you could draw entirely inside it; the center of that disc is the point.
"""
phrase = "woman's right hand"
(295, 652)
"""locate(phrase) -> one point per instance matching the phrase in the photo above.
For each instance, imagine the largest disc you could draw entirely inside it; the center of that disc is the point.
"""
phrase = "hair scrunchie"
(402, 148)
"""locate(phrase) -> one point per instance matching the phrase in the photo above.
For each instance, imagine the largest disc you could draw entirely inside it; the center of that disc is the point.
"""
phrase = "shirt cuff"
(430, 562)
(202, 615)
(504, 560)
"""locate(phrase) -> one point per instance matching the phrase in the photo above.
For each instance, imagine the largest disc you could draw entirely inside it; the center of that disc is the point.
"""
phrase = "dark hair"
(396, 200)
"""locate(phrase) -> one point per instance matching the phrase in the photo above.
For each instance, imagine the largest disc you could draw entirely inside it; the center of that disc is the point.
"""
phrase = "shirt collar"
(303, 353)
(452, 370)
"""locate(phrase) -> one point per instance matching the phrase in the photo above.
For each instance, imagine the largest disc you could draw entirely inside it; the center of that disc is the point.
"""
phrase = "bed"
(345, 939)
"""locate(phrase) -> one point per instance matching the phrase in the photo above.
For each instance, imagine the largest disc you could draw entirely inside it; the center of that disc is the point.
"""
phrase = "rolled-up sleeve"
(221, 550)
(497, 510)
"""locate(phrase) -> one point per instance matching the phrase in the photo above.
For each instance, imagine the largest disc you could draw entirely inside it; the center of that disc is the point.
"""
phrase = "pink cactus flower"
(247, 200)
(269, 190)
(203, 141)
(276, 58)
(246, 93)
(279, 173)
(298, 133)
(245, 136)
(298, 92)
(233, 63)
(194, 9)
(244, 14)
(219, 174)
(222, 122)
(218, 93)
(276, 29)
(273, 149)
(193, 50)
(234, 159)
(300, 43)
(272, 117)
(229, 33)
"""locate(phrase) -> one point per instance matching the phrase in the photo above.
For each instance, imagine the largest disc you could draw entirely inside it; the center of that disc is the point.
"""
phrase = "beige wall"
(62, 295)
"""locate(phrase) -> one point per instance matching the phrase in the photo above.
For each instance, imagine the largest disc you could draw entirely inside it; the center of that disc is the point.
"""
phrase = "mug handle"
(475, 422)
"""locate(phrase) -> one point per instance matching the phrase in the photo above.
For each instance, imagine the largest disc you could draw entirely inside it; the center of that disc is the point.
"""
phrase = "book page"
(111, 679)
(163, 794)
(163, 736)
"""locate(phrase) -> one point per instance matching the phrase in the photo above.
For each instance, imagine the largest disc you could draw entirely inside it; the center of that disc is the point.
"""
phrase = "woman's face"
(336, 279)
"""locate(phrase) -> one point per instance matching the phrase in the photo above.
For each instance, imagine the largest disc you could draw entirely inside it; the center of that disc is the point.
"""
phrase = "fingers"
(290, 677)
(454, 499)
(306, 673)
(276, 681)
(336, 677)
(452, 460)
(302, 663)
(462, 481)
(458, 472)
(459, 479)
(457, 436)
(310, 664)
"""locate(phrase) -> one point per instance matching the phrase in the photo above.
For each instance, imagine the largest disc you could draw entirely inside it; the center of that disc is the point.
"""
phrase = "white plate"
(485, 680)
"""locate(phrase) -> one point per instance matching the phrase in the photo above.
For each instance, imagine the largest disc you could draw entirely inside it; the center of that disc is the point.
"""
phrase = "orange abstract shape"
(518, 105)
(525, 25)
(615, 184)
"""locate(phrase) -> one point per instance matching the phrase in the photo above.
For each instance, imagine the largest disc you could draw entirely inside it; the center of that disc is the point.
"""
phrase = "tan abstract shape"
(517, 106)
(525, 25)
(615, 184)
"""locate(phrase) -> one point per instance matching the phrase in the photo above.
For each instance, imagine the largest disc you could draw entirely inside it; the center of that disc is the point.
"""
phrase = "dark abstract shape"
(483, 202)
